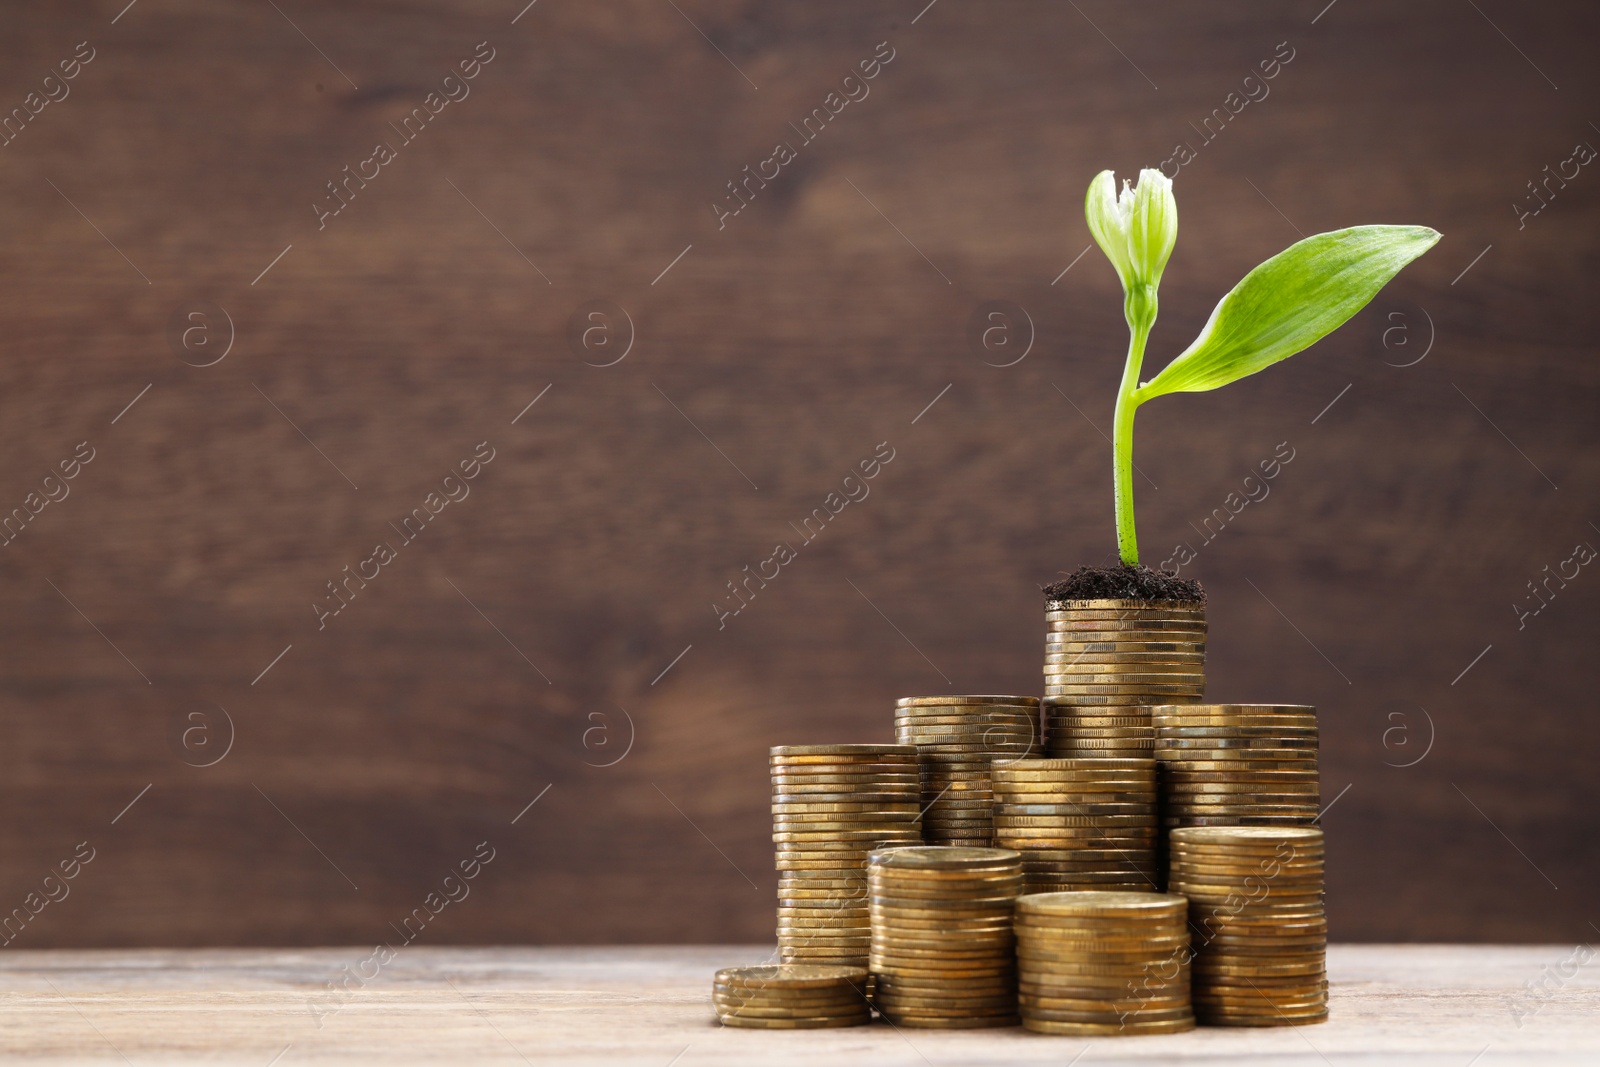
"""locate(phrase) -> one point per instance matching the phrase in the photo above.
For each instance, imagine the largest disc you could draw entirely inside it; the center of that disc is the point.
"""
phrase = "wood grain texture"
(523, 640)
(1423, 1004)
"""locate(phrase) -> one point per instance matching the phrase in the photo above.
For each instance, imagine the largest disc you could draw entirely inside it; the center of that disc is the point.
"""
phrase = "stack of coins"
(958, 739)
(1237, 764)
(791, 997)
(1092, 730)
(943, 950)
(1260, 933)
(831, 806)
(1079, 823)
(1103, 963)
(1124, 653)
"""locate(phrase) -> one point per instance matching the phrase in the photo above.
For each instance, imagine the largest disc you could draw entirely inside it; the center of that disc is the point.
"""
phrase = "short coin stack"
(1237, 764)
(1090, 731)
(831, 806)
(1103, 963)
(1260, 933)
(791, 997)
(1124, 653)
(1079, 823)
(958, 739)
(943, 950)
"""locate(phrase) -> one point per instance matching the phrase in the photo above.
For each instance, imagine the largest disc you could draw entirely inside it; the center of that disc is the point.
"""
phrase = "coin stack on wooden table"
(958, 739)
(943, 948)
(831, 806)
(1256, 911)
(1237, 764)
(1094, 963)
(1079, 823)
(791, 997)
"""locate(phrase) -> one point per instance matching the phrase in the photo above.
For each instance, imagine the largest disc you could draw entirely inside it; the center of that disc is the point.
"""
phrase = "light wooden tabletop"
(1446, 1005)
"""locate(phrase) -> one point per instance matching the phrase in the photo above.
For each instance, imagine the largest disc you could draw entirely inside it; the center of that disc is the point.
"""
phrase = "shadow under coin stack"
(831, 806)
(1079, 823)
(791, 997)
(1237, 764)
(1106, 660)
(958, 739)
(1103, 963)
(943, 950)
(1260, 933)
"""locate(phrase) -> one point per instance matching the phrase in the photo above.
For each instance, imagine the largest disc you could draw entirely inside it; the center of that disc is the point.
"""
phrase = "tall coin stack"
(1103, 963)
(1079, 823)
(1237, 764)
(794, 996)
(943, 950)
(1260, 933)
(1124, 653)
(831, 806)
(958, 739)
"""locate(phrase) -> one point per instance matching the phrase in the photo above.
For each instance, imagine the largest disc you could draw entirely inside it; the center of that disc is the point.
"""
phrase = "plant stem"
(1139, 323)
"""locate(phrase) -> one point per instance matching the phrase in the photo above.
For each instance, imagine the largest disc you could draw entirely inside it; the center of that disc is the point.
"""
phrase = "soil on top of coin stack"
(1124, 583)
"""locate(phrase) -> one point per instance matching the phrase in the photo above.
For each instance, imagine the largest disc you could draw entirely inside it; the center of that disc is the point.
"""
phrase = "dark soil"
(1124, 583)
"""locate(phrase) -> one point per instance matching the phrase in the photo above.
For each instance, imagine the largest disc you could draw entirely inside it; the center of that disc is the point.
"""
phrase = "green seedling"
(1283, 306)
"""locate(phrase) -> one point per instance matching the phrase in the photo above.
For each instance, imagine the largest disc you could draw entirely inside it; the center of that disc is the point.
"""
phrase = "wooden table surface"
(1433, 1004)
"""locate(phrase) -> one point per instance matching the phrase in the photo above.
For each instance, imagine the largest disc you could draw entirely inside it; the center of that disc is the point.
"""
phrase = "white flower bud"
(1136, 229)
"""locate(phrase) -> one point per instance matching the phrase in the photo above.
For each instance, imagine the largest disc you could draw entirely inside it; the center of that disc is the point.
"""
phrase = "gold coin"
(1180, 663)
(963, 701)
(1129, 1026)
(824, 772)
(1089, 948)
(1276, 788)
(1109, 700)
(857, 1014)
(1067, 766)
(1066, 859)
(740, 1002)
(1065, 786)
(952, 1002)
(1120, 646)
(1092, 803)
(1165, 727)
(848, 809)
(1275, 740)
(1156, 614)
(1246, 709)
(863, 820)
(1064, 907)
(1133, 623)
(781, 977)
(823, 1023)
(836, 750)
(844, 996)
(1068, 686)
(1250, 836)
(1123, 604)
(974, 728)
(1069, 794)
(934, 859)
(1189, 643)
(1106, 744)
(1099, 722)
(1071, 732)
(975, 988)
(1006, 815)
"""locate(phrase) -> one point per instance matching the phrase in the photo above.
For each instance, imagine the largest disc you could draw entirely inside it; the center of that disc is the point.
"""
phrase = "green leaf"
(1289, 303)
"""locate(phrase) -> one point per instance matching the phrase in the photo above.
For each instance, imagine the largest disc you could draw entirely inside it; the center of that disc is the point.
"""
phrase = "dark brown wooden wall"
(523, 639)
